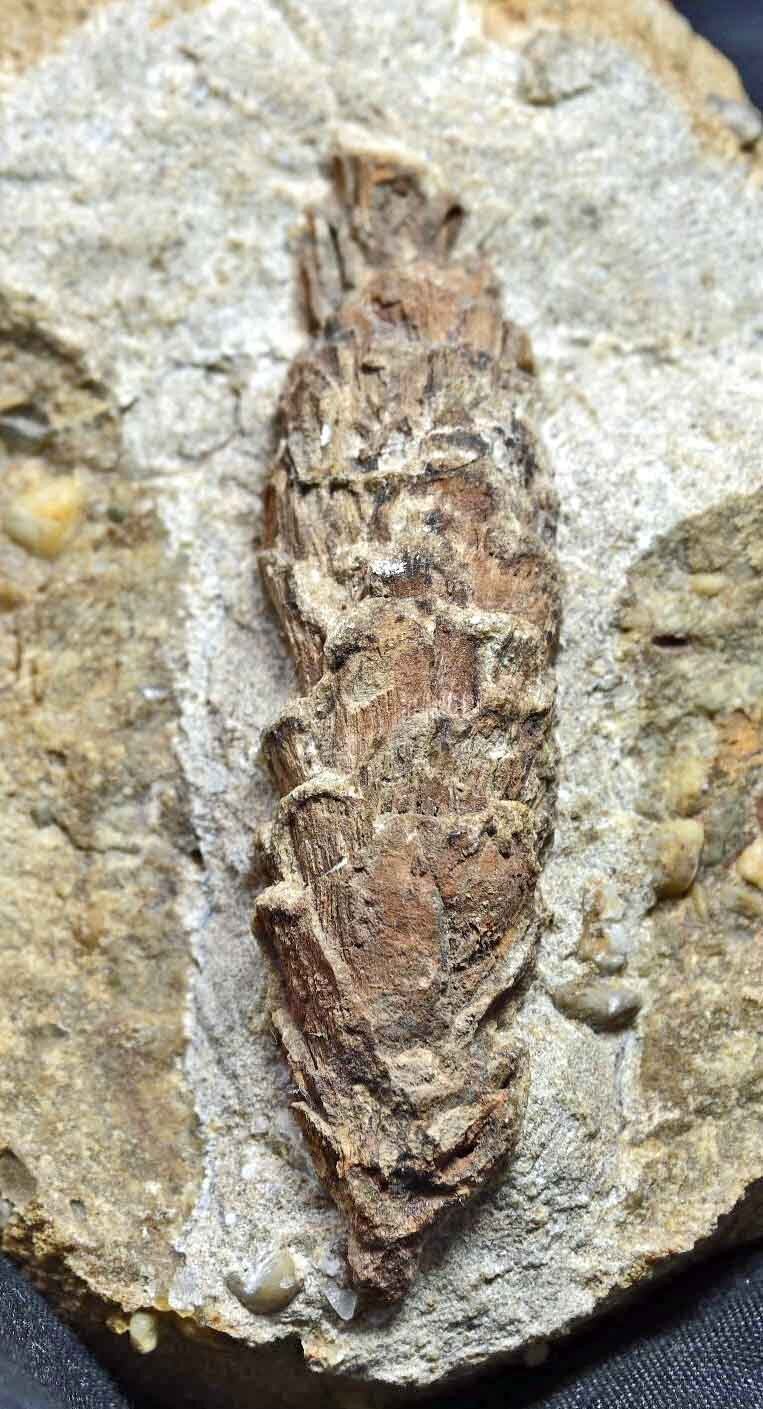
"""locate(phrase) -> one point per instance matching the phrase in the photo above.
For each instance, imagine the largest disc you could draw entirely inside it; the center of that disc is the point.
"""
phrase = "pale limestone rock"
(147, 314)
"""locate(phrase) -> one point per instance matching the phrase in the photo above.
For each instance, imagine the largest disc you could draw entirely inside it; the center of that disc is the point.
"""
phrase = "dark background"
(695, 1342)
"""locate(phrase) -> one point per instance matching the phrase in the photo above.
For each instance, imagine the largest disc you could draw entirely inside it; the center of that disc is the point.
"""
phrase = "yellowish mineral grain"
(707, 584)
(144, 1331)
(685, 784)
(118, 1323)
(10, 596)
(750, 863)
(744, 900)
(44, 517)
(679, 846)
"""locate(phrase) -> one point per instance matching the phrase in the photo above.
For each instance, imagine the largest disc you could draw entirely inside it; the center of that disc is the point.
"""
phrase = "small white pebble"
(389, 567)
(325, 434)
(144, 1331)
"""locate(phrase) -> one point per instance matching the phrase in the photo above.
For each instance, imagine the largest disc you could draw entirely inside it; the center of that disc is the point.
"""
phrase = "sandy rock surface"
(153, 173)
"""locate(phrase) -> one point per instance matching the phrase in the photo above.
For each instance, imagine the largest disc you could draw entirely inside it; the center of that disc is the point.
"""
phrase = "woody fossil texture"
(408, 551)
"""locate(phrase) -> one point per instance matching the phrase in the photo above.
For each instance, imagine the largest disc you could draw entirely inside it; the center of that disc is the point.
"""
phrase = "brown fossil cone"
(409, 555)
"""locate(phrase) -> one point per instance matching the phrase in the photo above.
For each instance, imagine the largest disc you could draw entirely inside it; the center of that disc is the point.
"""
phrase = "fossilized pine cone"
(409, 556)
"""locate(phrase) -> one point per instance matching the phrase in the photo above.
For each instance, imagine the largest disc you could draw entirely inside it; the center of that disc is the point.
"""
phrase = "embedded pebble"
(553, 68)
(44, 518)
(42, 814)
(743, 900)
(10, 596)
(24, 427)
(327, 1260)
(607, 956)
(17, 1183)
(343, 1300)
(707, 584)
(269, 1286)
(750, 863)
(609, 902)
(679, 847)
(598, 944)
(741, 118)
(143, 1327)
(686, 784)
(601, 948)
(602, 1005)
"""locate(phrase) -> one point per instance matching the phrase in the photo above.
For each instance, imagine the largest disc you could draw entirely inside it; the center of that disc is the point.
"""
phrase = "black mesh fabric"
(42, 1365)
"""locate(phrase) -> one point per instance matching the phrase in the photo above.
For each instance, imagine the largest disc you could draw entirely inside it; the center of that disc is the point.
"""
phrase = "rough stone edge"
(292, 1384)
(741, 1225)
